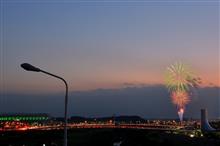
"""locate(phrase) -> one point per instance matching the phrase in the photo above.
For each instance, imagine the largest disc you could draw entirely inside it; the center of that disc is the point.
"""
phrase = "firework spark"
(180, 77)
(180, 80)
(180, 98)
(180, 113)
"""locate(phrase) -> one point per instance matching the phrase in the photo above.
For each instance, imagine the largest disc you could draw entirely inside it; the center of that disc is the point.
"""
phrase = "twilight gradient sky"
(106, 44)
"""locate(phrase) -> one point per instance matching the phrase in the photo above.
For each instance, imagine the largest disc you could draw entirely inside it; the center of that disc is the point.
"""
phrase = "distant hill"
(132, 119)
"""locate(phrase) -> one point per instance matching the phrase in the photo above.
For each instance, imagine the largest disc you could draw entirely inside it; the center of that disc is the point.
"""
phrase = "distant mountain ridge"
(105, 119)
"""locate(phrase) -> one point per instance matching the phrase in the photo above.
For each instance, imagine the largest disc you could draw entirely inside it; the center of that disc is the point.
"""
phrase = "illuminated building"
(24, 117)
(205, 126)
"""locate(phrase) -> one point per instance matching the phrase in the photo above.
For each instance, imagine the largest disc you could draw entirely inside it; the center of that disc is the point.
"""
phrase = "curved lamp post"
(29, 67)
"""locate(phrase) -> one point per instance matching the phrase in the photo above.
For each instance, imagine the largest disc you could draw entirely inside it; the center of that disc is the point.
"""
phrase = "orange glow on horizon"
(104, 80)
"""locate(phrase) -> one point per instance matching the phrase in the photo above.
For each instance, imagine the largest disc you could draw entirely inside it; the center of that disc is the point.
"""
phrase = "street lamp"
(29, 67)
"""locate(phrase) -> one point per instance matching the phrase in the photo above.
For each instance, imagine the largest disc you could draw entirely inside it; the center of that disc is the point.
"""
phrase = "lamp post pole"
(29, 67)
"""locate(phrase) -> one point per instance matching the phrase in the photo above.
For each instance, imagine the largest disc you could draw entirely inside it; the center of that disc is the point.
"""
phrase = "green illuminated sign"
(23, 118)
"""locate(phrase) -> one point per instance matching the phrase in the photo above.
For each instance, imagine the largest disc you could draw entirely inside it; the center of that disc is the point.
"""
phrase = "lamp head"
(30, 67)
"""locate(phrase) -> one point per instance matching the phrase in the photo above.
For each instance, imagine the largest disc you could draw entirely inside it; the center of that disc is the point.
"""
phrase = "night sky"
(112, 53)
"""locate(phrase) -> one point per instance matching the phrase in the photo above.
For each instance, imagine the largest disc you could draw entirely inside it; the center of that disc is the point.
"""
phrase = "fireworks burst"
(180, 98)
(180, 80)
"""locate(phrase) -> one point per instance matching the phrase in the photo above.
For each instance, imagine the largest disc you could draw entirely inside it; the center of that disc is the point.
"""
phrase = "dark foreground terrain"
(103, 137)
